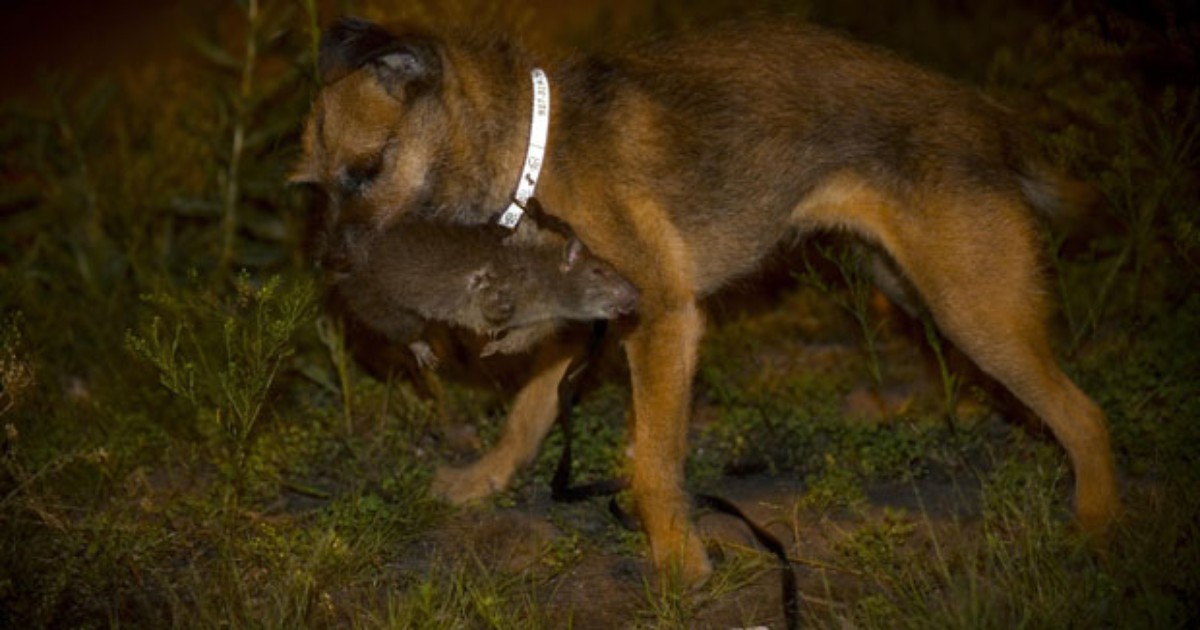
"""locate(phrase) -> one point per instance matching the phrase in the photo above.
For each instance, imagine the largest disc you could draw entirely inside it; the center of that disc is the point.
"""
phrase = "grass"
(188, 442)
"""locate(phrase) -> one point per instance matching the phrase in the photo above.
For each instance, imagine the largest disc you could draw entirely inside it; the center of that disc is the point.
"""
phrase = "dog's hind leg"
(975, 263)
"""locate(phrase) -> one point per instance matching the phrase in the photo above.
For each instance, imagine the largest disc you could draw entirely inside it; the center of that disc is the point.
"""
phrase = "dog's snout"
(346, 247)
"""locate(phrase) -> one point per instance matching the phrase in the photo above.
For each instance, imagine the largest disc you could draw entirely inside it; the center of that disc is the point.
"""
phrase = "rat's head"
(549, 282)
(591, 288)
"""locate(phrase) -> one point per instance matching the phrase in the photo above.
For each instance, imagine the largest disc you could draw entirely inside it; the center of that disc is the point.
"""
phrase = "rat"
(516, 291)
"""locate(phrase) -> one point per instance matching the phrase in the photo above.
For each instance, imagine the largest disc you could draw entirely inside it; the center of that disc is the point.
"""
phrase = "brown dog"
(685, 163)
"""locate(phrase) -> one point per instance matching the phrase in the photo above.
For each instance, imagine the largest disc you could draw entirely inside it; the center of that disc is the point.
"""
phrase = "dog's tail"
(1062, 201)
(1071, 206)
(1054, 194)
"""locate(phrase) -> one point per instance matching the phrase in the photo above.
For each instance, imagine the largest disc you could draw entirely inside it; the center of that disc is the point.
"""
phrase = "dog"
(684, 163)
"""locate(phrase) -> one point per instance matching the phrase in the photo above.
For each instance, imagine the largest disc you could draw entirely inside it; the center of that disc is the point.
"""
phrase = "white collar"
(539, 128)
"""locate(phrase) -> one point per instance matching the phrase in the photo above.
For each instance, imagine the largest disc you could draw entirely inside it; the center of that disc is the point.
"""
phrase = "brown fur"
(476, 278)
(685, 163)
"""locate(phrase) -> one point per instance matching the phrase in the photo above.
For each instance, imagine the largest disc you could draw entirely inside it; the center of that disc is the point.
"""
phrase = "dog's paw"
(465, 485)
(1097, 513)
(688, 567)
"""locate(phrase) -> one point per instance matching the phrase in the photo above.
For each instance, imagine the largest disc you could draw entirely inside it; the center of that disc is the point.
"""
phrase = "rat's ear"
(572, 252)
(403, 64)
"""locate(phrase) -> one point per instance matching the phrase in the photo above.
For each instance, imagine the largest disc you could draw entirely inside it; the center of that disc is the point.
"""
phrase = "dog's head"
(376, 129)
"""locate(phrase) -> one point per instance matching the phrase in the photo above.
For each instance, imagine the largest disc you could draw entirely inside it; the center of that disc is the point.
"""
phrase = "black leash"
(562, 491)
(790, 596)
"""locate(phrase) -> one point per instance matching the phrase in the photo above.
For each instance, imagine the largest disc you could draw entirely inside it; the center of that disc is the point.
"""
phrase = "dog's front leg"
(533, 413)
(662, 354)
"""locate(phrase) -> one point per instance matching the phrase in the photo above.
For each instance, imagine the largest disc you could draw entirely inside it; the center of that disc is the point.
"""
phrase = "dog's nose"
(347, 248)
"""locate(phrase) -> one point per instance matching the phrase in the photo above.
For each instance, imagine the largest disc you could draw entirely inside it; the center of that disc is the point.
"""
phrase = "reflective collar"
(539, 128)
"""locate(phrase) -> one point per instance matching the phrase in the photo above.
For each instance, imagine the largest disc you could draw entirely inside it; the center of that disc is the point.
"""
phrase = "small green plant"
(463, 595)
(1137, 146)
(251, 96)
(1157, 161)
(222, 355)
(17, 373)
(836, 487)
(951, 382)
(669, 604)
(331, 330)
(597, 444)
(876, 548)
(854, 297)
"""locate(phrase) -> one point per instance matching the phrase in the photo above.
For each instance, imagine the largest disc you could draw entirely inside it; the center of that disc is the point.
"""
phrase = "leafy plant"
(223, 355)
(853, 297)
(257, 110)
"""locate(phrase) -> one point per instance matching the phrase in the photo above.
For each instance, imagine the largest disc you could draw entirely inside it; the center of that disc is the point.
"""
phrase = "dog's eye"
(355, 178)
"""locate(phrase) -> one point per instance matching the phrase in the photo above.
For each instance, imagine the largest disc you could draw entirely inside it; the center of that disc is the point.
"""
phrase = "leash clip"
(512, 215)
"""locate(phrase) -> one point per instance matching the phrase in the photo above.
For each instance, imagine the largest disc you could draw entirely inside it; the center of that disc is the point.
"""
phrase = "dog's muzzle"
(346, 248)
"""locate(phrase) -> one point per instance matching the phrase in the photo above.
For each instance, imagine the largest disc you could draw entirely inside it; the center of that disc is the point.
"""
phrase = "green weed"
(462, 595)
(853, 296)
(223, 357)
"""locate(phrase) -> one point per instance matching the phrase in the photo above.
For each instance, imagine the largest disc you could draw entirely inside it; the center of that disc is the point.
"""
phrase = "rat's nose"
(625, 298)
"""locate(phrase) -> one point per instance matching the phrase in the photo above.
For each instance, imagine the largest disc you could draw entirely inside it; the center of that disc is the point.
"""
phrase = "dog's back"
(732, 129)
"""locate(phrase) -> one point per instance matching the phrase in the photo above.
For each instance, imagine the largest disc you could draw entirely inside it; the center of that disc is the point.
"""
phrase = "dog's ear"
(403, 64)
(413, 66)
(349, 44)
